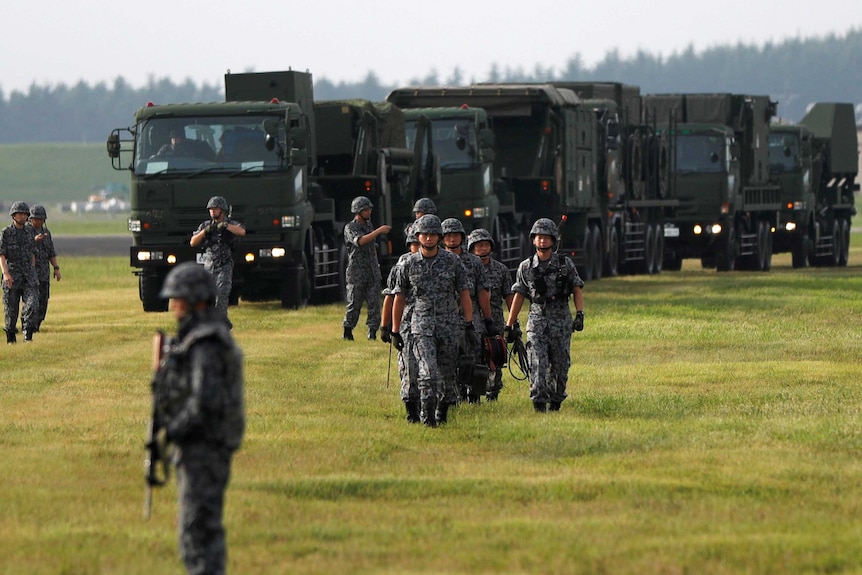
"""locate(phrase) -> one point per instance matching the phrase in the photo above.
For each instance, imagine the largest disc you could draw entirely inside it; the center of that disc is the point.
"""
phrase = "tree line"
(795, 72)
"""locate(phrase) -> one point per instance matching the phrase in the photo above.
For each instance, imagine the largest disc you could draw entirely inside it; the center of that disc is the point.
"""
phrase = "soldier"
(436, 281)
(454, 239)
(200, 398)
(481, 244)
(407, 366)
(363, 270)
(218, 238)
(420, 208)
(46, 258)
(548, 280)
(18, 264)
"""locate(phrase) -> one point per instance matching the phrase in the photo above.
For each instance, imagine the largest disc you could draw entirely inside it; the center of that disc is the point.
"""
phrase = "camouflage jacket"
(44, 251)
(218, 246)
(547, 284)
(362, 264)
(18, 246)
(500, 280)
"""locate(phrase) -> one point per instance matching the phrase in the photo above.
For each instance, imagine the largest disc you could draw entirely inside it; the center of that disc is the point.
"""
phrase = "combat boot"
(442, 413)
(348, 334)
(540, 407)
(412, 406)
(10, 338)
(372, 333)
(428, 415)
(28, 336)
(554, 406)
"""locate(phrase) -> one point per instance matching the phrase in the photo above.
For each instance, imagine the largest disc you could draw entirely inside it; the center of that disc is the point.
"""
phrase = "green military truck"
(265, 150)
(816, 164)
(728, 204)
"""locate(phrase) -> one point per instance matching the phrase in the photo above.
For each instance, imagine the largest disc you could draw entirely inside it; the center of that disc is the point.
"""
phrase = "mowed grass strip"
(712, 426)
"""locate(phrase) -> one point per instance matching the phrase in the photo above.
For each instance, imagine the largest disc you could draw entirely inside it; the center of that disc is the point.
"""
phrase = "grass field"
(712, 426)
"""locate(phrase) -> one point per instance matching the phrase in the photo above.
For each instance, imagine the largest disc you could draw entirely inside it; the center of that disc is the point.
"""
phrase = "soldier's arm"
(578, 296)
(397, 312)
(515, 308)
(235, 228)
(467, 305)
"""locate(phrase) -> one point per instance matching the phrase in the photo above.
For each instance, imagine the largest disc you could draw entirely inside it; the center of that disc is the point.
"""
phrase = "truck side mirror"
(114, 145)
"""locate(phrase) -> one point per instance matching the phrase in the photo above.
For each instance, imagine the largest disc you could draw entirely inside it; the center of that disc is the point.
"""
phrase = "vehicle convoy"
(290, 168)
(816, 164)
(549, 154)
(728, 205)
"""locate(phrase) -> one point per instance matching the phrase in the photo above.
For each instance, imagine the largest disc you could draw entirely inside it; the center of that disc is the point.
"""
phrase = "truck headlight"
(148, 256)
(134, 225)
(290, 222)
(790, 226)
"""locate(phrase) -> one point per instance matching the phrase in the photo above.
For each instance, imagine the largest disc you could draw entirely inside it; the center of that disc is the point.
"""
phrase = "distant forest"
(794, 72)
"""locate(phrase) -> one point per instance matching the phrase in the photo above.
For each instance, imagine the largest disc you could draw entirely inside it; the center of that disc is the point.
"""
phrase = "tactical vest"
(551, 283)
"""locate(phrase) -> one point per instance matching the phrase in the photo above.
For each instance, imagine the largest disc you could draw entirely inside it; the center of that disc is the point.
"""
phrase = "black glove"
(490, 328)
(471, 335)
(397, 340)
(578, 323)
(385, 334)
(211, 227)
(222, 225)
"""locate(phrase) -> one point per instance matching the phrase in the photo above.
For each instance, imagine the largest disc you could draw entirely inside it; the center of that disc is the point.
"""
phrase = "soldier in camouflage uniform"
(199, 396)
(481, 244)
(46, 258)
(548, 280)
(362, 277)
(420, 208)
(408, 368)
(437, 282)
(218, 238)
(454, 239)
(20, 284)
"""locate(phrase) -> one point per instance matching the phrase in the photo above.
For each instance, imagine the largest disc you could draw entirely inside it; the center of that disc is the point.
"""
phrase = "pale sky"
(62, 41)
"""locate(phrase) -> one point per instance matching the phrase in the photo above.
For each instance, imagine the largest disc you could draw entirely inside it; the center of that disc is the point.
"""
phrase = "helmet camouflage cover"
(38, 211)
(479, 235)
(190, 282)
(425, 206)
(453, 226)
(19, 208)
(360, 203)
(545, 227)
(427, 224)
(217, 202)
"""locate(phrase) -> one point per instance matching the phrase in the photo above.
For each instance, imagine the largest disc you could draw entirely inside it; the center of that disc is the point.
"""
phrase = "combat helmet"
(38, 212)
(410, 238)
(19, 208)
(545, 227)
(425, 206)
(218, 202)
(360, 203)
(190, 282)
(427, 224)
(479, 235)
(454, 226)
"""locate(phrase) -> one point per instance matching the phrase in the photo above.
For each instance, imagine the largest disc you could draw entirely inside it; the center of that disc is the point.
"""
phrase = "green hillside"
(54, 174)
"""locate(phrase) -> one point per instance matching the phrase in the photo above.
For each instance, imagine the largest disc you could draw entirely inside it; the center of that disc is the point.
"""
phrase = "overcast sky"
(63, 41)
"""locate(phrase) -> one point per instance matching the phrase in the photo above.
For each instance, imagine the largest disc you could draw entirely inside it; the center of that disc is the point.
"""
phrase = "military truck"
(282, 171)
(457, 171)
(816, 164)
(728, 205)
(556, 155)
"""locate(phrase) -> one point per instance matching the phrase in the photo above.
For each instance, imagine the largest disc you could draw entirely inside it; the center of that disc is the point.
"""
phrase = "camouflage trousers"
(549, 357)
(436, 360)
(25, 293)
(357, 293)
(203, 472)
(408, 369)
(44, 295)
(223, 276)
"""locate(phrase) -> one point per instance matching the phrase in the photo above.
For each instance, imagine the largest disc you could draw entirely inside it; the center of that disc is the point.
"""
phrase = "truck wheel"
(598, 246)
(767, 256)
(296, 286)
(587, 253)
(799, 251)
(726, 257)
(648, 266)
(612, 269)
(149, 286)
(658, 250)
(844, 233)
(762, 247)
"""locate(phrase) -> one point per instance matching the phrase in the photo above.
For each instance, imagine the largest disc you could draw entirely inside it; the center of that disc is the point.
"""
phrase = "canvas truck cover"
(835, 123)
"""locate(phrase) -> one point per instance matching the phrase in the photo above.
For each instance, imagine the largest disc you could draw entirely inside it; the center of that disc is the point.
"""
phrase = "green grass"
(712, 426)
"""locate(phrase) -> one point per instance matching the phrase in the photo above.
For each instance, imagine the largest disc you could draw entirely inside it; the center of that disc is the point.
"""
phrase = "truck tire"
(295, 286)
(844, 234)
(598, 249)
(587, 253)
(149, 286)
(799, 249)
(658, 255)
(648, 266)
(726, 256)
(612, 267)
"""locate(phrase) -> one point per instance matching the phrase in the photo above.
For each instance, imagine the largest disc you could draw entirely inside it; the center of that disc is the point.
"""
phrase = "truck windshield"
(223, 144)
(454, 141)
(700, 153)
(783, 152)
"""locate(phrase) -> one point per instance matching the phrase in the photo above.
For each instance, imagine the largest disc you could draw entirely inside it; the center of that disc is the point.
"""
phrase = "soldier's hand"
(222, 225)
(471, 335)
(508, 334)
(211, 227)
(397, 340)
(385, 334)
(578, 323)
(490, 328)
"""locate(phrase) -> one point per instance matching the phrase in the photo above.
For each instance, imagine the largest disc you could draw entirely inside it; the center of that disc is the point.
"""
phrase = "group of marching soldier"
(442, 303)
(27, 257)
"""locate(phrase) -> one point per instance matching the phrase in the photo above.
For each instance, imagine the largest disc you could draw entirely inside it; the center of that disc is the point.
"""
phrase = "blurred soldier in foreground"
(199, 402)
(18, 264)
(548, 280)
(218, 238)
(436, 282)
(363, 270)
(481, 244)
(46, 258)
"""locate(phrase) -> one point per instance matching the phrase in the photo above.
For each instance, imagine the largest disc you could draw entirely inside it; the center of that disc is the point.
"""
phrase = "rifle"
(155, 445)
